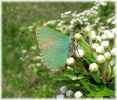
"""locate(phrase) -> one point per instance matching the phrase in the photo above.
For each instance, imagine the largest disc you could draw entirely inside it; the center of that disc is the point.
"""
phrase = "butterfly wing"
(54, 47)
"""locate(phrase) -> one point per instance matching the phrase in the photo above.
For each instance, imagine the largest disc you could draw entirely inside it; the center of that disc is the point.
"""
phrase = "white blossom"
(106, 31)
(51, 22)
(63, 89)
(93, 35)
(72, 21)
(114, 30)
(24, 51)
(110, 35)
(79, 52)
(94, 46)
(60, 97)
(99, 38)
(107, 55)
(87, 29)
(104, 37)
(109, 20)
(69, 93)
(38, 64)
(93, 67)
(70, 61)
(103, 3)
(78, 36)
(113, 51)
(105, 44)
(36, 58)
(100, 49)
(78, 94)
(101, 59)
(71, 27)
(33, 48)
(68, 12)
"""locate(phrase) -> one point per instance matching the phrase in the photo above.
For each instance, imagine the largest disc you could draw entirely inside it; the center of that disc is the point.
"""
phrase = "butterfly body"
(54, 47)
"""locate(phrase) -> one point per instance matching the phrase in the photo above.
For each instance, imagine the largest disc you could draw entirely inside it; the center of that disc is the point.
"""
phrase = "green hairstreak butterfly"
(54, 47)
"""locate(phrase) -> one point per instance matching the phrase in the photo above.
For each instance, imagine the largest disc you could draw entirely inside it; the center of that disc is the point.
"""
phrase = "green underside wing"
(54, 47)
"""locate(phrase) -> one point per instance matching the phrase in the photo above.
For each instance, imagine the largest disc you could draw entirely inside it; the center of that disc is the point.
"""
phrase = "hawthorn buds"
(107, 55)
(105, 44)
(93, 67)
(101, 59)
(63, 89)
(78, 95)
(70, 61)
(79, 53)
(78, 36)
(113, 51)
(100, 49)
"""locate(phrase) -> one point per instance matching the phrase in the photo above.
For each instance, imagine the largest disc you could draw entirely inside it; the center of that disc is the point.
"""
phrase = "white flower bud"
(93, 35)
(101, 59)
(73, 21)
(100, 49)
(38, 64)
(105, 44)
(99, 38)
(36, 58)
(93, 67)
(70, 61)
(78, 95)
(94, 46)
(68, 67)
(69, 93)
(107, 55)
(60, 97)
(114, 30)
(71, 27)
(106, 31)
(63, 89)
(24, 51)
(110, 35)
(109, 20)
(33, 48)
(74, 78)
(104, 36)
(79, 53)
(113, 51)
(103, 3)
(68, 12)
(113, 22)
(87, 29)
(78, 36)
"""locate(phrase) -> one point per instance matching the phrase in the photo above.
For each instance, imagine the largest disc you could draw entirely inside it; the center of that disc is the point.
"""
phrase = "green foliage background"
(17, 78)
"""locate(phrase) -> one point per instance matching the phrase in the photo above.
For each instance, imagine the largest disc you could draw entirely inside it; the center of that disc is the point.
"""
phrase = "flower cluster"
(31, 59)
(95, 32)
(69, 93)
(93, 61)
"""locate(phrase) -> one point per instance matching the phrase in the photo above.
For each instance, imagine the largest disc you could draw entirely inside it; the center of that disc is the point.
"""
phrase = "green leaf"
(96, 77)
(97, 90)
(113, 72)
(106, 92)
(88, 52)
(91, 87)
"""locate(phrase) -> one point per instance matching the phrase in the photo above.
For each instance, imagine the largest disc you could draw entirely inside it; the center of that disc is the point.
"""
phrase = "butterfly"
(54, 47)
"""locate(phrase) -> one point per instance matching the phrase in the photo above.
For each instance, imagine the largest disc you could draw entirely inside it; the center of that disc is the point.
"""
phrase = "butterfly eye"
(73, 39)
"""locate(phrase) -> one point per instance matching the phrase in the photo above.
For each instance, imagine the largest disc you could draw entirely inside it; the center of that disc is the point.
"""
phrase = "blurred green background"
(18, 79)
